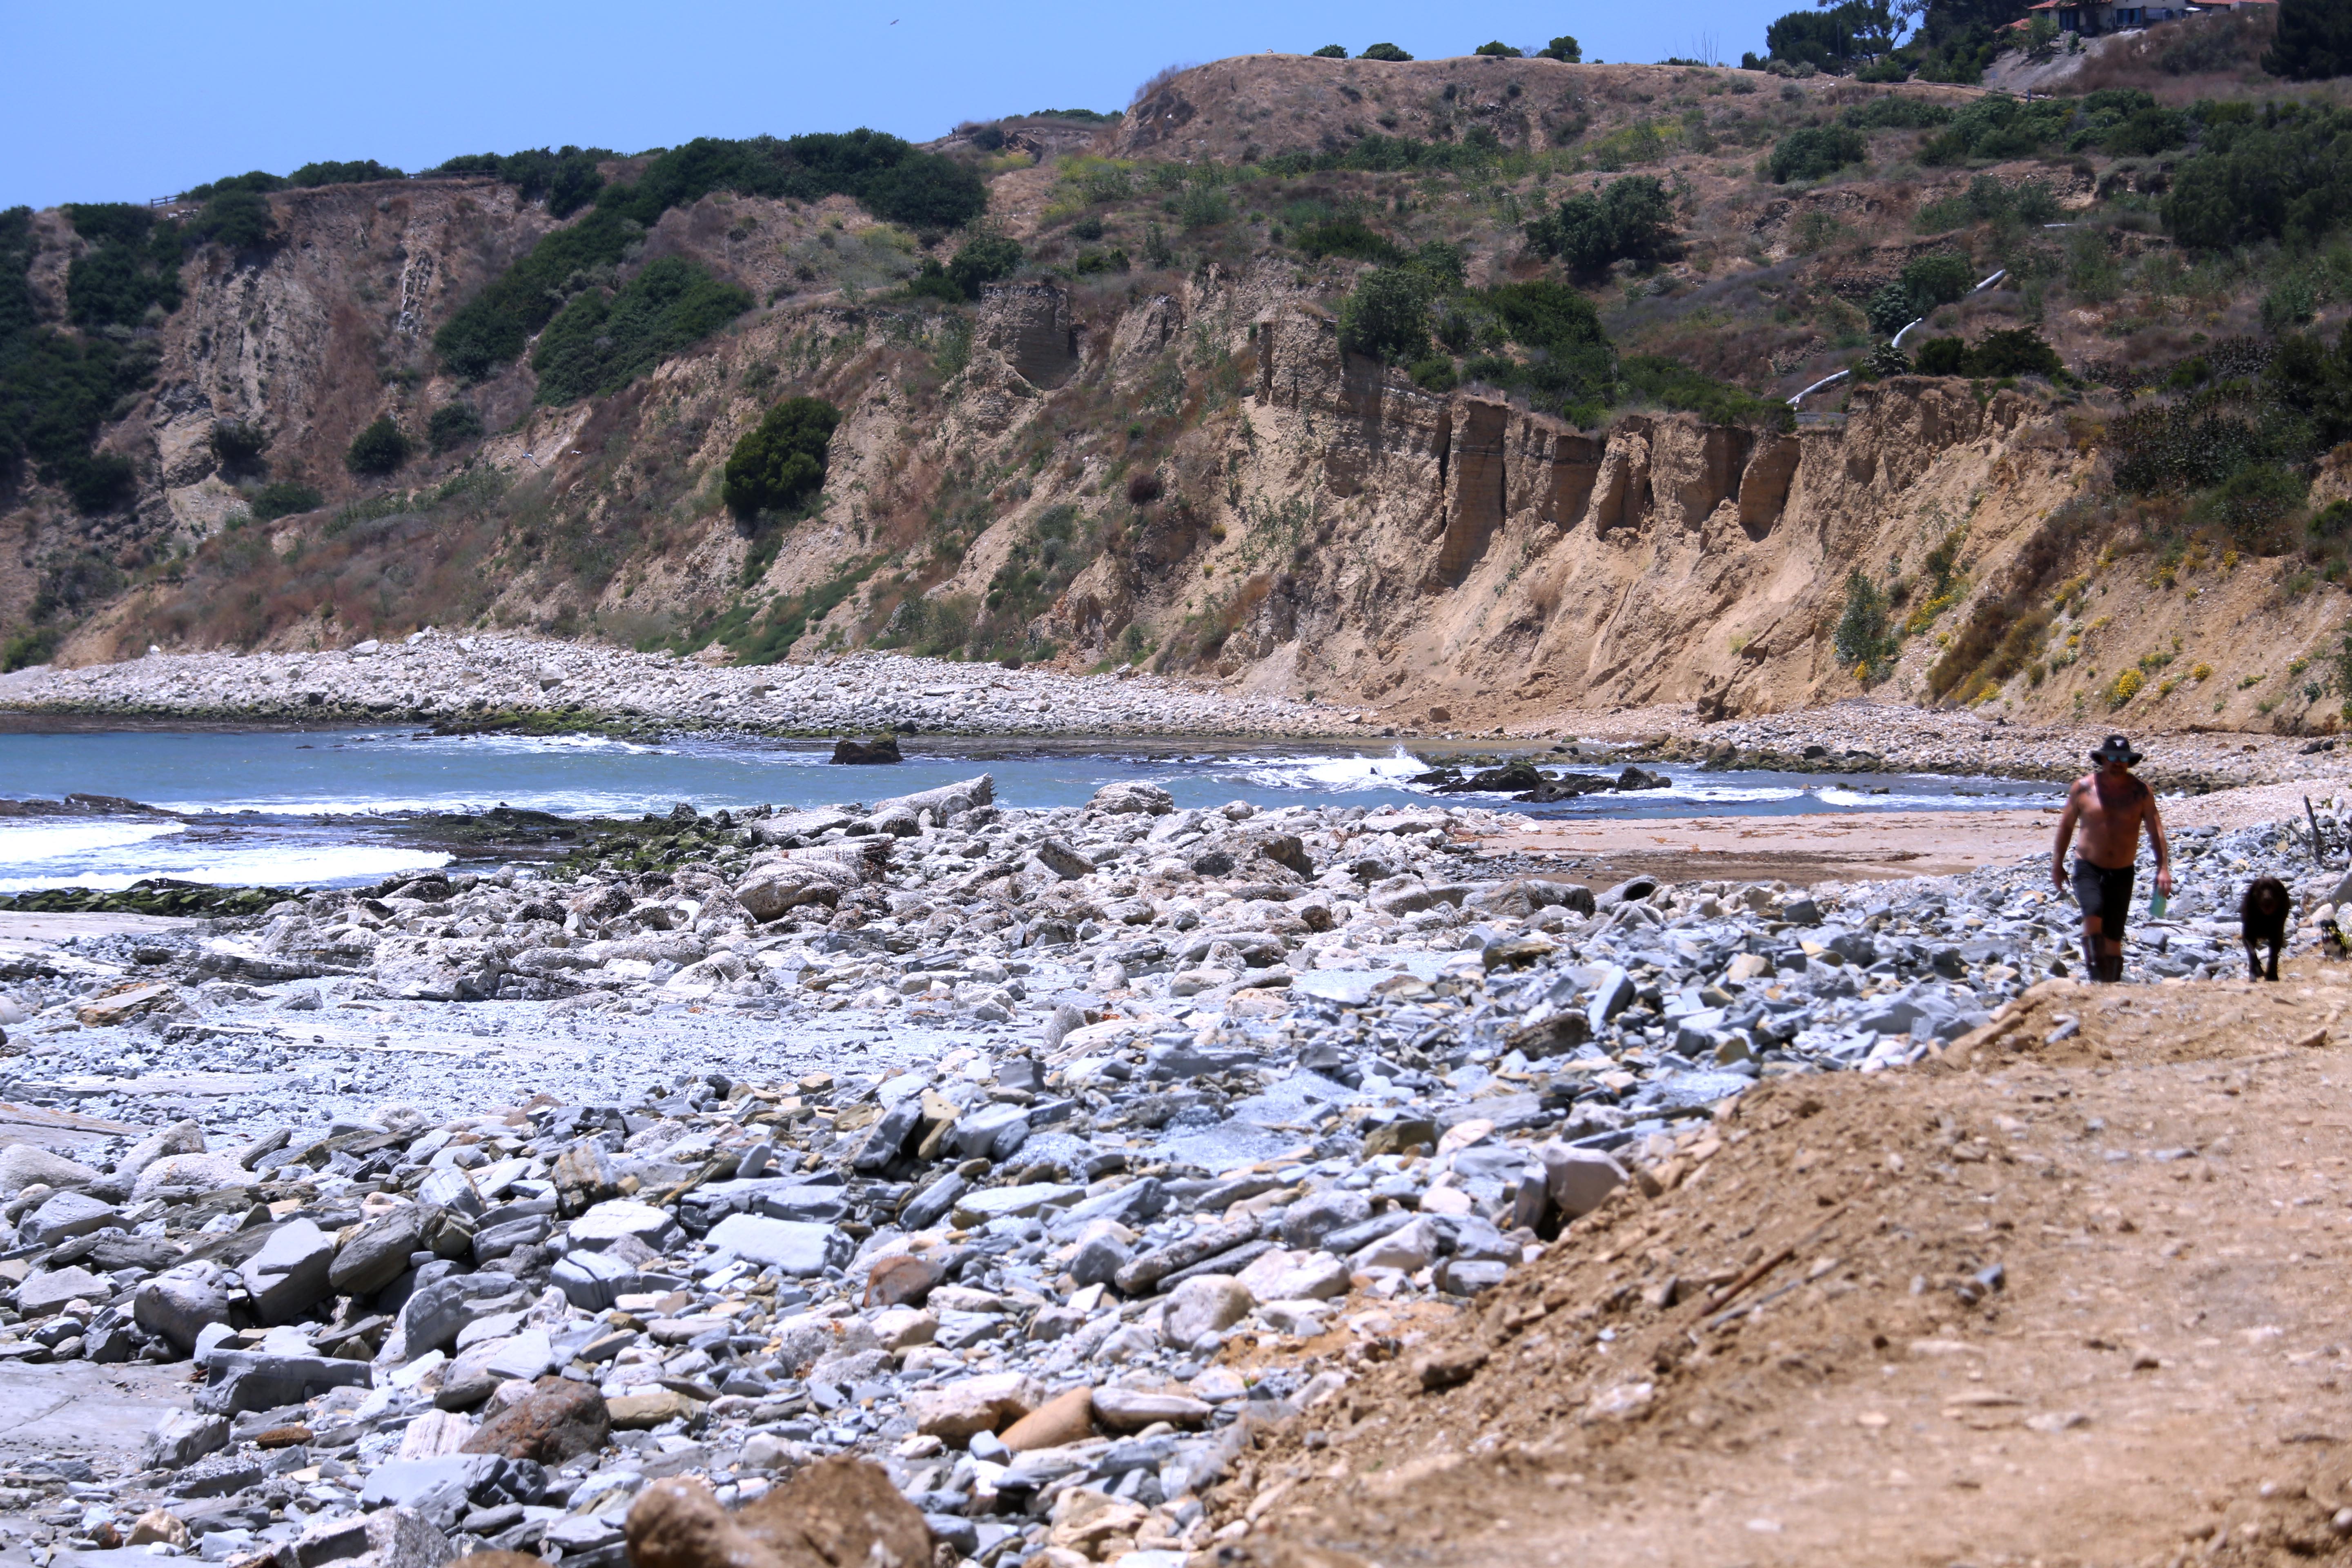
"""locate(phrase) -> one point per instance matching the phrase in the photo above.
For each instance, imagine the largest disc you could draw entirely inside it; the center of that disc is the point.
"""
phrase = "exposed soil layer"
(2055, 1299)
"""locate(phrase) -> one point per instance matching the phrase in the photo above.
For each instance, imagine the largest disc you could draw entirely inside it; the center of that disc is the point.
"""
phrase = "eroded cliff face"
(308, 341)
(1465, 555)
(1313, 521)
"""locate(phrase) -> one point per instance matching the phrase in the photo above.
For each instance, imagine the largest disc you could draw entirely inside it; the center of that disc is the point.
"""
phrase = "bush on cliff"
(377, 450)
(781, 463)
(603, 341)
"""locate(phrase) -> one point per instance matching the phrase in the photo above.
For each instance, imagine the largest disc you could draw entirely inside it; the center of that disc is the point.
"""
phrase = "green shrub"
(285, 498)
(377, 450)
(891, 179)
(2331, 521)
(1563, 47)
(36, 646)
(18, 314)
(1938, 280)
(1570, 365)
(2315, 383)
(983, 260)
(568, 176)
(601, 342)
(931, 281)
(238, 219)
(1676, 385)
(1891, 308)
(1091, 261)
(453, 425)
(133, 263)
(2146, 132)
(110, 223)
(1499, 50)
(97, 482)
(1387, 315)
(1347, 236)
(1384, 52)
(2286, 177)
(1631, 220)
(55, 392)
(2252, 503)
(1331, 52)
(781, 462)
(1896, 112)
(1816, 153)
(2314, 41)
(1998, 126)
(358, 172)
(2017, 351)
(1436, 373)
(1863, 641)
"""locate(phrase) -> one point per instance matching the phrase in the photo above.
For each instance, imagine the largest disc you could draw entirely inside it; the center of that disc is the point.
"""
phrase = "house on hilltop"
(2092, 17)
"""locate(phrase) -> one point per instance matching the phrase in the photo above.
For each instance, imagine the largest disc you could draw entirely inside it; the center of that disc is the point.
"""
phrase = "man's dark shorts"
(2104, 893)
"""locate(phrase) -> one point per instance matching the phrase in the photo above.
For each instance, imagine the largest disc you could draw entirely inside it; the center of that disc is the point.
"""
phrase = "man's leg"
(2095, 957)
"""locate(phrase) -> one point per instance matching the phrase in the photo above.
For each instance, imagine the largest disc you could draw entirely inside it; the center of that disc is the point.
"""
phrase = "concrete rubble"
(1170, 1093)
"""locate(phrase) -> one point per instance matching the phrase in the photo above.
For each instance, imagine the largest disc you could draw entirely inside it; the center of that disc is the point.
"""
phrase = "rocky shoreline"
(516, 685)
(506, 683)
(1038, 1158)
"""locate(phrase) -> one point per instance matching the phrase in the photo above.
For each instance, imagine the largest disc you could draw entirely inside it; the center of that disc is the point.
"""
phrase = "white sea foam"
(37, 843)
(1333, 773)
(280, 866)
(558, 803)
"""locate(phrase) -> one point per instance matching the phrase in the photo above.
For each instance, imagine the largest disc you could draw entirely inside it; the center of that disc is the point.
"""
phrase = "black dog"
(2262, 918)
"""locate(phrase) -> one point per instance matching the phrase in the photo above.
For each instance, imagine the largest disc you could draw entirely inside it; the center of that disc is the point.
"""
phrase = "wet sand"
(1874, 847)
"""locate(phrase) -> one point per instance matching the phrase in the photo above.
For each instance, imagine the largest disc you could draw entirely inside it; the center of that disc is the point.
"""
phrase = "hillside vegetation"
(1202, 385)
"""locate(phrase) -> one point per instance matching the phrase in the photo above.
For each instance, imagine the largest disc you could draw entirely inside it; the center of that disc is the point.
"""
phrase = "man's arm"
(2065, 834)
(2163, 846)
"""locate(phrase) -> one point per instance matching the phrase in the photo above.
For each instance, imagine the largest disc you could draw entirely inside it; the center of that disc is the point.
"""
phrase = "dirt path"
(2044, 1301)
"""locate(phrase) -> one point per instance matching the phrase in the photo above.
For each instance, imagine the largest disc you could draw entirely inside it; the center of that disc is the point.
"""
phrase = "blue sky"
(123, 102)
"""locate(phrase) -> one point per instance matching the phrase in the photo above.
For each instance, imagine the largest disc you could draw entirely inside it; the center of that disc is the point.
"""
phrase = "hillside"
(1454, 387)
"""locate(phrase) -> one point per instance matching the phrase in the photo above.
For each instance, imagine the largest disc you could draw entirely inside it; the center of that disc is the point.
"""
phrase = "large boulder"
(178, 1304)
(973, 1404)
(773, 891)
(25, 1164)
(288, 1276)
(839, 1511)
(1131, 797)
(557, 1421)
(178, 1178)
(375, 1254)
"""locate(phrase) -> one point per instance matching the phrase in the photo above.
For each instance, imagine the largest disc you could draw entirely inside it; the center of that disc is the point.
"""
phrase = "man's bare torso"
(2109, 814)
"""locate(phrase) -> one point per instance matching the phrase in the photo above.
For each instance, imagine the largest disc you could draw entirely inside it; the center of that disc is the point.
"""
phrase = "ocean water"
(338, 808)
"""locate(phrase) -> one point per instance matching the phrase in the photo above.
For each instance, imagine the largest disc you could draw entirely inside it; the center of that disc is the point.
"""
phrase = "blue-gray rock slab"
(609, 1222)
(977, 1209)
(437, 1488)
(238, 1381)
(796, 1247)
(1692, 1090)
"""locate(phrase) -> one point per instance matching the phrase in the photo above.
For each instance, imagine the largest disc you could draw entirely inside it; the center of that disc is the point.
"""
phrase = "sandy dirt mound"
(2049, 1300)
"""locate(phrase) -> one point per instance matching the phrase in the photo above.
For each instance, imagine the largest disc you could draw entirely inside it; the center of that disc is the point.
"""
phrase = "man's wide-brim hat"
(2115, 749)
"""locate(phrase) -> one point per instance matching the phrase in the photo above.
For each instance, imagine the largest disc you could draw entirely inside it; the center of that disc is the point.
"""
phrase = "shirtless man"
(2110, 805)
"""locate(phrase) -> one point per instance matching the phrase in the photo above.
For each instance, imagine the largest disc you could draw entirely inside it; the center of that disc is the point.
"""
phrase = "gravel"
(437, 677)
